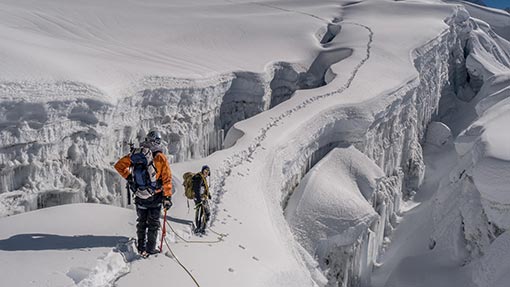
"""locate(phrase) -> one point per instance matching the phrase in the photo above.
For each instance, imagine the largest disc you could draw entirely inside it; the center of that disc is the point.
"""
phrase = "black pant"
(202, 214)
(147, 227)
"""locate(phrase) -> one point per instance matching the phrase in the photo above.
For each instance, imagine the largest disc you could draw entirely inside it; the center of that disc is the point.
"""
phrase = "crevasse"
(391, 136)
(63, 137)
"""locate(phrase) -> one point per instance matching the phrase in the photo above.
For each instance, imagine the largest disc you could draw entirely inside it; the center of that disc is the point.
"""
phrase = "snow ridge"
(239, 158)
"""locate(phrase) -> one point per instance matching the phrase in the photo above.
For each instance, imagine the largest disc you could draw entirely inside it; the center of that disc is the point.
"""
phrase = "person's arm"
(122, 166)
(165, 173)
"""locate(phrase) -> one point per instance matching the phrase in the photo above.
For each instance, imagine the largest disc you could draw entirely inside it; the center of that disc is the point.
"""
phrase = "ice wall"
(65, 136)
(389, 131)
(472, 204)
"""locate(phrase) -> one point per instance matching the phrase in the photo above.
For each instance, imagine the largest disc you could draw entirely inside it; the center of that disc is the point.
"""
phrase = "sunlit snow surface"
(322, 107)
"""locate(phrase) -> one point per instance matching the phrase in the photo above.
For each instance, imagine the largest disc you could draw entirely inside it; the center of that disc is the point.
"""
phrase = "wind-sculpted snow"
(331, 212)
(388, 129)
(237, 159)
(472, 211)
(393, 142)
(498, 19)
(66, 136)
(118, 81)
(68, 129)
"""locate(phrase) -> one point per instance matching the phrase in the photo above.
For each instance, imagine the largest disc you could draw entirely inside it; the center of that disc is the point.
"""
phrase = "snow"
(498, 19)
(438, 134)
(332, 206)
(65, 245)
(312, 116)
(111, 45)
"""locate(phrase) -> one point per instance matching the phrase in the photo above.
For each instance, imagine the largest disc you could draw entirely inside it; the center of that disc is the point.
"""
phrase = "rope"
(220, 236)
(179, 262)
(217, 233)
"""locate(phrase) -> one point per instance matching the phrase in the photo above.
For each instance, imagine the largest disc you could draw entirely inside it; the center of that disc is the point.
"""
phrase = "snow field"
(87, 114)
(297, 155)
(375, 108)
(65, 245)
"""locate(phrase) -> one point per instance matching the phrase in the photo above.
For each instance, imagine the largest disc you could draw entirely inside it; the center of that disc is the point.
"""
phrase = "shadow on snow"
(39, 241)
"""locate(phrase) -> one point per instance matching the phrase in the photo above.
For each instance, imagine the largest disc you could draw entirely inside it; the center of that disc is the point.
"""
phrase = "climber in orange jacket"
(149, 176)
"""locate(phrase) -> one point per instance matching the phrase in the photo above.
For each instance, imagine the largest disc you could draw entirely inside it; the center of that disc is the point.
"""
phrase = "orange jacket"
(163, 171)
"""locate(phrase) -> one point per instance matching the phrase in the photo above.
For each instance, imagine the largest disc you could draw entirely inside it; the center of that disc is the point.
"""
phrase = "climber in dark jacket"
(202, 196)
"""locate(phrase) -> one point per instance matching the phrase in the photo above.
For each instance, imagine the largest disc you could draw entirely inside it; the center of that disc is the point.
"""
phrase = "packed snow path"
(236, 160)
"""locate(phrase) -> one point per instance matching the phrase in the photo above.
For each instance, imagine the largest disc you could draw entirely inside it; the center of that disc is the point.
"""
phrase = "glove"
(209, 195)
(167, 202)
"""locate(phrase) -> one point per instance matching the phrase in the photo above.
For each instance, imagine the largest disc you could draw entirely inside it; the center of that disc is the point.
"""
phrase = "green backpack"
(188, 184)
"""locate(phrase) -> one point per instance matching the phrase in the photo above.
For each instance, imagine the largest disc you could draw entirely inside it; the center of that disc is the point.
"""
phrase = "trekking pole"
(163, 233)
(128, 187)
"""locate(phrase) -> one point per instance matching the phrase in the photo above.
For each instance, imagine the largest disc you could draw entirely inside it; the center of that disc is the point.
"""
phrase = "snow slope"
(115, 44)
(72, 84)
(293, 91)
(65, 245)
(457, 236)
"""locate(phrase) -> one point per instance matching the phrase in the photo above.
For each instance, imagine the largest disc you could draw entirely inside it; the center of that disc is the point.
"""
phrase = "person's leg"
(198, 217)
(141, 227)
(206, 214)
(153, 227)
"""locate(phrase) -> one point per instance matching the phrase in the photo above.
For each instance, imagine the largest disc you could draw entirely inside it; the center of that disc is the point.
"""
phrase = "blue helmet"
(205, 167)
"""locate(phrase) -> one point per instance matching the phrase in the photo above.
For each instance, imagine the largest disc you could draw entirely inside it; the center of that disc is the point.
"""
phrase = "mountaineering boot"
(153, 251)
(199, 230)
(140, 245)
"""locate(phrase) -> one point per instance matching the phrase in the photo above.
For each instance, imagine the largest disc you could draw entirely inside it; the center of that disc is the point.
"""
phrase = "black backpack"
(144, 171)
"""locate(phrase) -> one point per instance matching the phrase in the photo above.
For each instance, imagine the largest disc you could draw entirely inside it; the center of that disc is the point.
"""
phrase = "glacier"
(337, 137)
